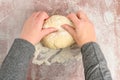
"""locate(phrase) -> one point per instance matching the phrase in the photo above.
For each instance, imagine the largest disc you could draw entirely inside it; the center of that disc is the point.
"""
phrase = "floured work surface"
(105, 15)
(44, 55)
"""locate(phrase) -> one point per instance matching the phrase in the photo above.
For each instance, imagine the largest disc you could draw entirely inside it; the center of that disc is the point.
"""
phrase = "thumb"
(47, 31)
(70, 30)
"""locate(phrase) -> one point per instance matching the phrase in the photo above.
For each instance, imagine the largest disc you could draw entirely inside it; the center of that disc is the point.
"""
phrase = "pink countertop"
(105, 14)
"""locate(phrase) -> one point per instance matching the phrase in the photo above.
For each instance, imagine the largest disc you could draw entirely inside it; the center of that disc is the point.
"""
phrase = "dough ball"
(61, 38)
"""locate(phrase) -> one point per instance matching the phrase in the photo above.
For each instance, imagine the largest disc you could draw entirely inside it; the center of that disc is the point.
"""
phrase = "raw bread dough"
(61, 38)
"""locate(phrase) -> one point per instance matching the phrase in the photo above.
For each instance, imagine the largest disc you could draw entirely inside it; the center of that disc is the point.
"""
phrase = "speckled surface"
(105, 14)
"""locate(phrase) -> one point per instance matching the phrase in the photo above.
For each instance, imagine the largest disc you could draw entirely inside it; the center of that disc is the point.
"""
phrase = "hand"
(84, 30)
(32, 29)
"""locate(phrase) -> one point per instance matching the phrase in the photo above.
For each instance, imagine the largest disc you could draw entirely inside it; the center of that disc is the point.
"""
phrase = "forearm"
(16, 62)
(95, 65)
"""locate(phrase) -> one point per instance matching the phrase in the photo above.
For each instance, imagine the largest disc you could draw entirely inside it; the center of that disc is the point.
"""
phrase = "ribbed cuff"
(25, 43)
(85, 46)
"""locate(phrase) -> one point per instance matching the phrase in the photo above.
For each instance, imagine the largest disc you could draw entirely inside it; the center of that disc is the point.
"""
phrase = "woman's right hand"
(33, 30)
(84, 31)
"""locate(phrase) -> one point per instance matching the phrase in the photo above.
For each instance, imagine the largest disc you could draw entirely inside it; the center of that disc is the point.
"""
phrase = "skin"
(82, 33)
(32, 30)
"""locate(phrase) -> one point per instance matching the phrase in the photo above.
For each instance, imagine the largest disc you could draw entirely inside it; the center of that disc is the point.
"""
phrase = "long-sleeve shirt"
(16, 63)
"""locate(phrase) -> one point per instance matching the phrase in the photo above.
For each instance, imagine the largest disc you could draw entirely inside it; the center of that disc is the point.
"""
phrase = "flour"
(108, 3)
(108, 17)
(61, 38)
(44, 55)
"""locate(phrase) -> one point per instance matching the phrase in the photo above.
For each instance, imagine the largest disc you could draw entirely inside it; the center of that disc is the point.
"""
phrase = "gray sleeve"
(16, 63)
(95, 65)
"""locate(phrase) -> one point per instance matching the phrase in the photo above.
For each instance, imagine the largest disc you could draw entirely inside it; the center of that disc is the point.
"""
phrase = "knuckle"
(33, 14)
(43, 13)
(71, 15)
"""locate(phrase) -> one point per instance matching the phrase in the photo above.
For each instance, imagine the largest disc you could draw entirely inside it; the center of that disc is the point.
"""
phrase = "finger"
(70, 30)
(82, 15)
(37, 14)
(41, 18)
(73, 18)
(34, 14)
(47, 31)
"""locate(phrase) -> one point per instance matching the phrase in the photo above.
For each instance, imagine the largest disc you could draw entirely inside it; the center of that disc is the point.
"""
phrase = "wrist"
(27, 39)
(85, 42)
